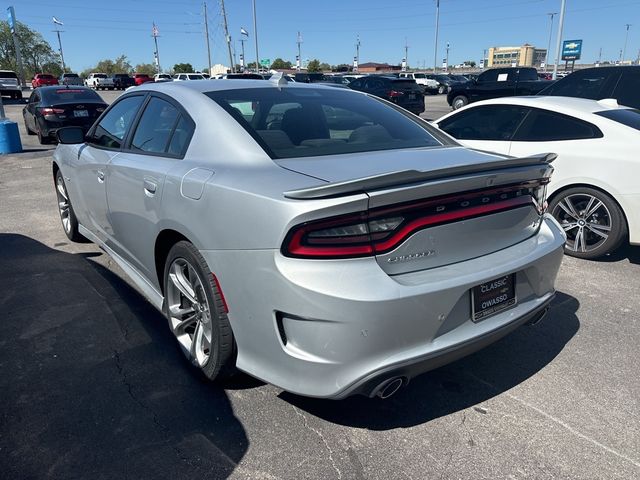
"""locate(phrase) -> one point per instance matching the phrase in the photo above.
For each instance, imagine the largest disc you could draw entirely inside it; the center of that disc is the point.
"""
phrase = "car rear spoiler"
(404, 177)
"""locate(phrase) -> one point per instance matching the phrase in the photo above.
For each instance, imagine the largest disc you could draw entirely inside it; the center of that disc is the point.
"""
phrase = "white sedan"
(594, 192)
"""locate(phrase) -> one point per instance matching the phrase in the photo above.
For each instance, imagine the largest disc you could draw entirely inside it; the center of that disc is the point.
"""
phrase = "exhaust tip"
(388, 387)
(535, 320)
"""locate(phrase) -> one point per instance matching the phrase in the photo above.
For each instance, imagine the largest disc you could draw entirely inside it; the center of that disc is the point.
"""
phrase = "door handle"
(150, 186)
(100, 176)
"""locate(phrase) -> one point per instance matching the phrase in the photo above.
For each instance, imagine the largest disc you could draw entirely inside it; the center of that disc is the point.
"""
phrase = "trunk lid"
(432, 209)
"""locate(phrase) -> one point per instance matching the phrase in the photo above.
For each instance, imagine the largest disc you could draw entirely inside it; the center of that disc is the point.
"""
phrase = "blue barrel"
(9, 137)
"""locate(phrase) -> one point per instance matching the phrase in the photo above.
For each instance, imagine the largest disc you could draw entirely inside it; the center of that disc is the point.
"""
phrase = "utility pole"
(16, 44)
(624, 50)
(447, 57)
(406, 53)
(435, 43)
(242, 40)
(600, 56)
(228, 37)
(255, 35)
(155, 34)
(206, 34)
(546, 59)
(483, 64)
(299, 57)
(58, 32)
(559, 42)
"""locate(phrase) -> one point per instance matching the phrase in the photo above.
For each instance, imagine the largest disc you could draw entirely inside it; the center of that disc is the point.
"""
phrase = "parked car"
(180, 77)
(495, 83)
(118, 81)
(404, 92)
(445, 82)
(339, 79)
(70, 79)
(309, 77)
(316, 238)
(51, 108)
(95, 80)
(594, 190)
(140, 78)
(162, 77)
(545, 76)
(42, 79)
(243, 76)
(429, 84)
(10, 84)
(621, 83)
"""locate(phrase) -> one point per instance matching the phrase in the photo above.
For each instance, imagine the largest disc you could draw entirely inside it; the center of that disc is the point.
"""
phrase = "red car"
(42, 79)
(141, 78)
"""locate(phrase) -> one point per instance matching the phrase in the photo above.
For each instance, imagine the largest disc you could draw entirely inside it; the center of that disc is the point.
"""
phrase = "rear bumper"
(334, 328)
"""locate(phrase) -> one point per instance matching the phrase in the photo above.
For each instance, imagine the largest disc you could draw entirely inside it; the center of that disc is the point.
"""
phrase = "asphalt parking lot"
(94, 387)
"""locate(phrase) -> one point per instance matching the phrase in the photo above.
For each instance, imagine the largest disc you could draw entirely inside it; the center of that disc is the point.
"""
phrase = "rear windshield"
(70, 75)
(66, 95)
(195, 77)
(45, 76)
(121, 75)
(419, 75)
(304, 122)
(8, 75)
(163, 75)
(626, 116)
(100, 75)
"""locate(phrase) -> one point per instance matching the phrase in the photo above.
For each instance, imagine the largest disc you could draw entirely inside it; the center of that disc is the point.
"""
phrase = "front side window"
(628, 89)
(113, 127)
(546, 126)
(300, 122)
(491, 122)
(155, 127)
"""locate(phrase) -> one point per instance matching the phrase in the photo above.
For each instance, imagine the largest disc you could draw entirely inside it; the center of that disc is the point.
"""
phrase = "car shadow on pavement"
(630, 252)
(93, 384)
(459, 385)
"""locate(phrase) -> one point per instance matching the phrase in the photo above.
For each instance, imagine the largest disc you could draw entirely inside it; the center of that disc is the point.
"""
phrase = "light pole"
(626, 37)
(357, 59)
(546, 59)
(299, 59)
(255, 36)
(155, 34)
(446, 60)
(435, 43)
(559, 42)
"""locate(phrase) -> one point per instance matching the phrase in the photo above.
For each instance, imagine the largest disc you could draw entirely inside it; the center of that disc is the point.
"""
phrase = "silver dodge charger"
(320, 239)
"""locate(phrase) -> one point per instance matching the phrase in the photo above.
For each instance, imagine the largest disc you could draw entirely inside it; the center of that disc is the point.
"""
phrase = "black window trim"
(92, 130)
(126, 144)
(597, 132)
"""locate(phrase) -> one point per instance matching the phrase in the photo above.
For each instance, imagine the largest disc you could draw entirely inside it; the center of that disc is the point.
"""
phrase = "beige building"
(524, 56)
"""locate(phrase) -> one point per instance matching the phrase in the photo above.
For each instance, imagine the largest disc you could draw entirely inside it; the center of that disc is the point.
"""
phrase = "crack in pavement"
(324, 440)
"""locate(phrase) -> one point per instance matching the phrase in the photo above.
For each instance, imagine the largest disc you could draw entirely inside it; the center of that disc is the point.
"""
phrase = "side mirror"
(70, 135)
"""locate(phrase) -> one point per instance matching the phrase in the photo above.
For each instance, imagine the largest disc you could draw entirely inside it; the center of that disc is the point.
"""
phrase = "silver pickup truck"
(9, 84)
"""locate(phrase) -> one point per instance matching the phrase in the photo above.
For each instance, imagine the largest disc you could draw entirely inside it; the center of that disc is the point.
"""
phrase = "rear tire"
(29, 131)
(44, 140)
(195, 310)
(65, 209)
(592, 220)
(459, 102)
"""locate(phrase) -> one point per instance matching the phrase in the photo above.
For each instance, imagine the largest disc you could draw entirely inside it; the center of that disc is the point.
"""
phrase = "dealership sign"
(571, 49)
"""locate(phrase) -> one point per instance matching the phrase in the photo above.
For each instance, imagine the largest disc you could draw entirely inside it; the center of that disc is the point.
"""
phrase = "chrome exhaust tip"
(535, 320)
(388, 387)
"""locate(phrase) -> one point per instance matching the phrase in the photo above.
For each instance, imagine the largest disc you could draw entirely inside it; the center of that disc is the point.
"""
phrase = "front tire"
(592, 220)
(196, 313)
(65, 209)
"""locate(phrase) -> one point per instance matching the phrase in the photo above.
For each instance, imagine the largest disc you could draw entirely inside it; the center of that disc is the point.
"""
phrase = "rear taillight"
(394, 94)
(381, 230)
(51, 111)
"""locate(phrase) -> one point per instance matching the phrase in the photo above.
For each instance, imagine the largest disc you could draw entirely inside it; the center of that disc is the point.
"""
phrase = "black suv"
(621, 83)
(404, 92)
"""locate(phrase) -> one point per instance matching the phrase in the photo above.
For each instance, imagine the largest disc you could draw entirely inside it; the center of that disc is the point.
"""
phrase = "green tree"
(314, 66)
(148, 68)
(280, 64)
(325, 67)
(471, 63)
(183, 68)
(343, 67)
(36, 52)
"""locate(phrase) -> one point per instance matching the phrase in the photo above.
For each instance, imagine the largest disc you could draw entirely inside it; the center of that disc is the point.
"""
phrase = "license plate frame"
(81, 113)
(493, 296)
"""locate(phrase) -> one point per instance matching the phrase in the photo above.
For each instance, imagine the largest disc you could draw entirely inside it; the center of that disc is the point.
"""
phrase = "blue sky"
(98, 30)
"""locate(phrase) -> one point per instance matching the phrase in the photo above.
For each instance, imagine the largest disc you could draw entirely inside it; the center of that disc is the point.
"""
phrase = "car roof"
(203, 86)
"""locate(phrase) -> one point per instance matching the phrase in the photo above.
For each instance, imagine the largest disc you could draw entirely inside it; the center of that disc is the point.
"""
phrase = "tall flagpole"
(255, 35)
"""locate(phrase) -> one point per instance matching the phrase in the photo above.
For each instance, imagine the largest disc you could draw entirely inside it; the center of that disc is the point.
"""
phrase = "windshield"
(301, 122)
(70, 75)
(626, 116)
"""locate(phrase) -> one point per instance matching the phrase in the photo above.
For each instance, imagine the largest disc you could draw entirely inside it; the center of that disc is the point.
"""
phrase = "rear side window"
(180, 137)
(113, 127)
(628, 89)
(545, 126)
(626, 116)
(527, 75)
(491, 122)
(155, 127)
